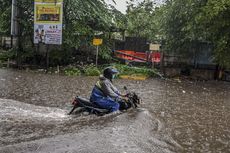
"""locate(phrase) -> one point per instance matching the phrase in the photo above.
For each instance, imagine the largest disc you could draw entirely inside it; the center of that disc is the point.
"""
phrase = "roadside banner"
(48, 16)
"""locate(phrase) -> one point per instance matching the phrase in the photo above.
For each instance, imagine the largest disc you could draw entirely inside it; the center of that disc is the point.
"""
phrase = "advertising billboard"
(48, 16)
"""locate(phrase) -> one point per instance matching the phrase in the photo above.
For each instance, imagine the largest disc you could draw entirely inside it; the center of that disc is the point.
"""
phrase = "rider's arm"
(115, 89)
(108, 89)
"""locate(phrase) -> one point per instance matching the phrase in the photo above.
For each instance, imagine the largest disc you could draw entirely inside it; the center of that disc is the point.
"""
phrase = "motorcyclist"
(104, 93)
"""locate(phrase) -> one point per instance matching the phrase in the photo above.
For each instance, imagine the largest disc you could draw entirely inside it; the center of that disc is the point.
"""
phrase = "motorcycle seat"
(87, 102)
(83, 100)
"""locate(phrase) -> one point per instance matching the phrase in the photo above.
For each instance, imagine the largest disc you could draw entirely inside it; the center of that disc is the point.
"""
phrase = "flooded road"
(175, 116)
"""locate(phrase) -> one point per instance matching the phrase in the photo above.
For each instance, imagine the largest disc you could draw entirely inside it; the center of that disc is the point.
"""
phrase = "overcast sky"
(122, 6)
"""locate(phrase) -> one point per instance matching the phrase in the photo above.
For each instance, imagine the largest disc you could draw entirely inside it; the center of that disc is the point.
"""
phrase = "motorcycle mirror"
(125, 88)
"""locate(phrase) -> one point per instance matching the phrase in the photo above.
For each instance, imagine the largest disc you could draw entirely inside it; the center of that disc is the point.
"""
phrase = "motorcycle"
(85, 105)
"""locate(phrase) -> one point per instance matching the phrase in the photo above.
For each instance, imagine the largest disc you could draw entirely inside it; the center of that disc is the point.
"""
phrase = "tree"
(5, 11)
(215, 18)
(186, 23)
(142, 20)
(82, 19)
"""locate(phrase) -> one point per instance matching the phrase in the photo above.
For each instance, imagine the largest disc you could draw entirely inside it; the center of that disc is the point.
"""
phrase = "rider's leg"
(109, 104)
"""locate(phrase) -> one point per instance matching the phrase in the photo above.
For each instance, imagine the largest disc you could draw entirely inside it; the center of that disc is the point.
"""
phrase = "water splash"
(23, 111)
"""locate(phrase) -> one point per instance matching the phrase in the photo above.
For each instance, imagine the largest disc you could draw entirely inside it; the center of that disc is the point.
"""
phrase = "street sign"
(97, 42)
(48, 16)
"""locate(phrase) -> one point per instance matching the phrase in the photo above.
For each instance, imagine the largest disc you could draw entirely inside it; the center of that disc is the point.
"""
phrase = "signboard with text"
(48, 16)
(97, 42)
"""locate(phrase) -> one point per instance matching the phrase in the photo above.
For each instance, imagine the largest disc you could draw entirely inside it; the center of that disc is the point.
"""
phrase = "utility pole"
(97, 57)
(15, 33)
(14, 22)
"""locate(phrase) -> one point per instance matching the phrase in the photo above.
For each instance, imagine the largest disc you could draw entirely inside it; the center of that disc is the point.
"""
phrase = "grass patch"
(135, 71)
(92, 70)
(89, 70)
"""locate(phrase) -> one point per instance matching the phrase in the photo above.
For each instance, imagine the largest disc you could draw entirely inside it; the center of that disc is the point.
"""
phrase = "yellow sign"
(48, 13)
(97, 42)
(48, 10)
(49, 1)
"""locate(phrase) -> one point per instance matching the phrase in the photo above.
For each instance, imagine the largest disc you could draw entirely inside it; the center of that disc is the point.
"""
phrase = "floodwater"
(175, 116)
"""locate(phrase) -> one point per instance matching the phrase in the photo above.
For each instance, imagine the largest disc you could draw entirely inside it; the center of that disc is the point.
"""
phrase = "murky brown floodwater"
(174, 117)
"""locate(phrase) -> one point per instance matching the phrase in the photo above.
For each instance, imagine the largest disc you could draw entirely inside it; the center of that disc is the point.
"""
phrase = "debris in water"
(162, 114)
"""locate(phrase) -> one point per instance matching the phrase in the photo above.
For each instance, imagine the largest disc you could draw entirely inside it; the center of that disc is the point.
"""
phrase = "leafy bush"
(105, 53)
(59, 56)
(4, 55)
(72, 71)
(91, 71)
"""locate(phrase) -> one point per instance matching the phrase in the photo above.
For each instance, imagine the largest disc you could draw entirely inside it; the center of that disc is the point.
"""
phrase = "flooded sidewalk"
(175, 116)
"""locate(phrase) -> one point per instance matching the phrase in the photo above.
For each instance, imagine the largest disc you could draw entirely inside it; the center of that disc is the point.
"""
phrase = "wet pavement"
(175, 116)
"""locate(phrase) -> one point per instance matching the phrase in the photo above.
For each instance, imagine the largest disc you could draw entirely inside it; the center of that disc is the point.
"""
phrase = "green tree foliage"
(182, 31)
(5, 12)
(81, 18)
(215, 18)
(186, 23)
(81, 21)
(182, 24)
(142, 19)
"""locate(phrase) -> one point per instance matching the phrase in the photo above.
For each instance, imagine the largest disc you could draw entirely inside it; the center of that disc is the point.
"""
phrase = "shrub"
(72, 71)
(4, 55)
(91, 71)
(105, 54)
